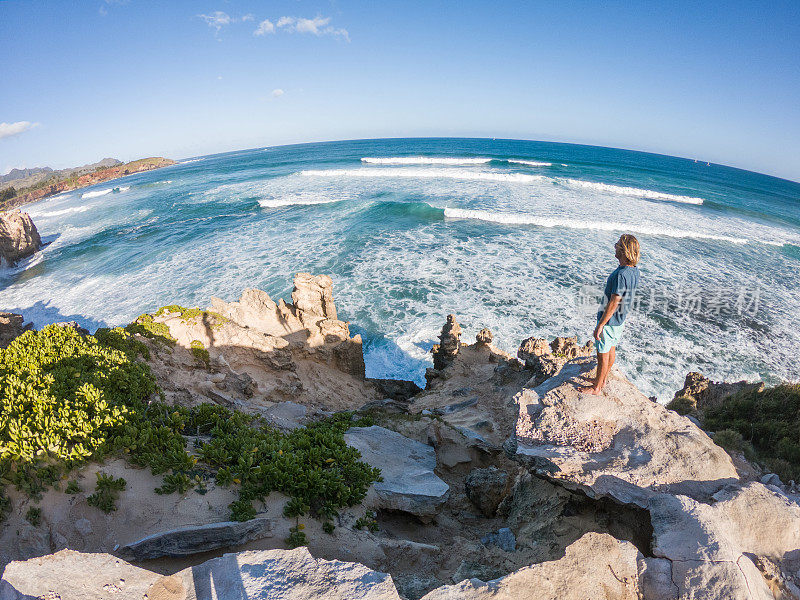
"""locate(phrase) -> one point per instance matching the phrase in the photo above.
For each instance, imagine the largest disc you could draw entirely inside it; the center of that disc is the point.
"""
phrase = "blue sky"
(85, 80)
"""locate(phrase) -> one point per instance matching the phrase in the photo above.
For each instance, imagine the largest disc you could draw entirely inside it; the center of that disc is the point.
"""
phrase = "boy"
(620, 288)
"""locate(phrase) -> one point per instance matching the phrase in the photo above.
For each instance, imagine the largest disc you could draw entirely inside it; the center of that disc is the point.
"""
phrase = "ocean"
(516, 236)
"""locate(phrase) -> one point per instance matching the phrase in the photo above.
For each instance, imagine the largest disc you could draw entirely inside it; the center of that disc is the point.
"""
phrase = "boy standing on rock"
(620, 288)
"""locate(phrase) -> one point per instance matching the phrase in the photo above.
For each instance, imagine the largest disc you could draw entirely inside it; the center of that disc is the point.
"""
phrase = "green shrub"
(368, 521)
(328, 527)
(175, 482)
(106, 493)
(200, 352)
(297, 536)
(769, 420)
(73, 488)
(683, 405)
(34, 515)
(66, 399)
(145, 325)
(729, 439)
(5, 506)
(61, 396)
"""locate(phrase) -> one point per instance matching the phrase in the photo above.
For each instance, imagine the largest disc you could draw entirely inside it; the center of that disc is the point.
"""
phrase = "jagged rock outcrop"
(596, 566)
(484, 336)
(618, 444)
(713, 536)
(262, 352)
(699, 393)
(545, 360)
(407, 467)
(19, 237)
(12, 325)
(449, 343)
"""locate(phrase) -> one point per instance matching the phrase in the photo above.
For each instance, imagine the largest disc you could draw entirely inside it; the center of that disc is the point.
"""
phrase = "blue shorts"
(610, 337)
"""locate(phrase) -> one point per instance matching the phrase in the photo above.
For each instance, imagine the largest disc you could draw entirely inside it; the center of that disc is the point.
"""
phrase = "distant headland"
(21, 186)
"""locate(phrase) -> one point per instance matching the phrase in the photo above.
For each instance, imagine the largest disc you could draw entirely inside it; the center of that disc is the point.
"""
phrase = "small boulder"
(503, 539)
(407, 467)
(19, 237)
(12, 326)
(487, 488)
(484, 336)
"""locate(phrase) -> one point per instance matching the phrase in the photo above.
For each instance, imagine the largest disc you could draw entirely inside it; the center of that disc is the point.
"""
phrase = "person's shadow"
(219, 579)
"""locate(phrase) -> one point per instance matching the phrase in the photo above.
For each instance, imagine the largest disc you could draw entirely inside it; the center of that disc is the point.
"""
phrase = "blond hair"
(630, 248)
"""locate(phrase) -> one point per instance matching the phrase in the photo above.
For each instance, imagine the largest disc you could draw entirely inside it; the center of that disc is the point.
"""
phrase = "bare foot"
(590, 389)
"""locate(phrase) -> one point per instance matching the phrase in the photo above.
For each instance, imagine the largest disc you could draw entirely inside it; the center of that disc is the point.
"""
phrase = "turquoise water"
(511, 235)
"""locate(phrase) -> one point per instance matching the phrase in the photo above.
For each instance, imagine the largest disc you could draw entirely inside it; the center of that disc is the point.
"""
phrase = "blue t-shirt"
(622, 281)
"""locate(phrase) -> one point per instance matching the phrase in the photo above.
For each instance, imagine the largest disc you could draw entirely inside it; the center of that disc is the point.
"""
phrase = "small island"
(29, 185)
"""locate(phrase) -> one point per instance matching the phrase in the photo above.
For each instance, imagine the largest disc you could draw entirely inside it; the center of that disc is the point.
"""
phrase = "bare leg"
(602, 372)
(611, 357)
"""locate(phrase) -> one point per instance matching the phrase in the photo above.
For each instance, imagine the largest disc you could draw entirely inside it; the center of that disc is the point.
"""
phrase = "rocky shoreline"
(499, 479)
(68, 184)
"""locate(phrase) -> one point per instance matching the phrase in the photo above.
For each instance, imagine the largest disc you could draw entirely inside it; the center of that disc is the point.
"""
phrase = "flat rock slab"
(595, 566)
(715, 548)
(74, 575)
(619, 444)
(407, 467)
(197, 538)
(285, 575)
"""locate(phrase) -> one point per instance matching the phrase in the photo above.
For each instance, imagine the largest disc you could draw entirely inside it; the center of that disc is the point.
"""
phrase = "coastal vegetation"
(67, 399)
(764, 425)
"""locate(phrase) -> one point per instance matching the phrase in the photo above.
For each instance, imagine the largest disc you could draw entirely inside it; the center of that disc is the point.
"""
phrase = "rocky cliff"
(19, 237)
(499, 480)
(70, 179)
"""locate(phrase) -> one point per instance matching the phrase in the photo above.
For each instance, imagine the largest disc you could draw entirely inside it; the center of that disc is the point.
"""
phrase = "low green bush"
(769, 420)
(34, 515)
(683, 405)
(67, 399)
(106, 492)
(200, 353)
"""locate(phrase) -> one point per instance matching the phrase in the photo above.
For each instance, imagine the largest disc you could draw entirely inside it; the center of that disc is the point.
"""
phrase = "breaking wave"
(99, 193)
(461, 174)
(631, 191)
(520, 219)
(295, 200)
(424, 160)
(530, 163)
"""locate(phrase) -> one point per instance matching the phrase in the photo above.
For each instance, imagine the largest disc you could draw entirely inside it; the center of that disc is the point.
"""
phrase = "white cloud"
(266, 26)
(10, 129)
(247, 17)
(277, 93)
(217, 20)
(317, 26)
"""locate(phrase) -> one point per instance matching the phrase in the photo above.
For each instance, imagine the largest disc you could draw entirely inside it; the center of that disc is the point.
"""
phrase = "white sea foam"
(192, 160)
(65, 211)
(530, 163)
(97, 193)
(631, 191)
(522, 219)
(424, 160)
(461, 174)
(297, 200)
